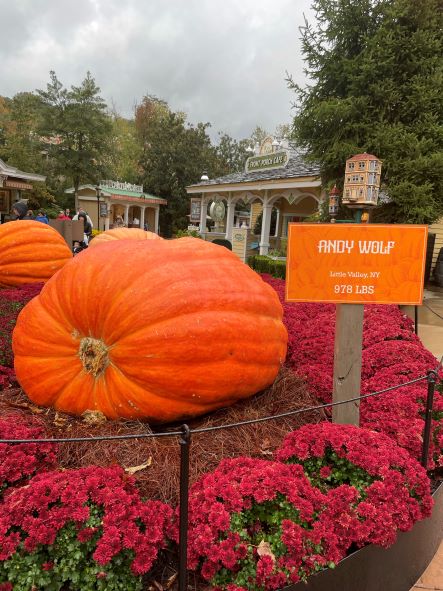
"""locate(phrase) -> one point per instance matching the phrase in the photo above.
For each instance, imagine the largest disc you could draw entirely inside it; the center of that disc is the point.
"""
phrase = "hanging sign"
(267, 162)
(103, 210)
(196, 205)
(356, 263)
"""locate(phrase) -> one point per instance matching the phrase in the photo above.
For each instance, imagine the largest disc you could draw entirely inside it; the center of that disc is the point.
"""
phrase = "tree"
(377, 80)
(174, 156)
(126, 150)
(232, 154)
(19, 141)
(258, 135)
(77, 128)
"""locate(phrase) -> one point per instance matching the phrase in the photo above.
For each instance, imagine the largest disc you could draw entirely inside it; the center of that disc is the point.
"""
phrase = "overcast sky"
(222, 61)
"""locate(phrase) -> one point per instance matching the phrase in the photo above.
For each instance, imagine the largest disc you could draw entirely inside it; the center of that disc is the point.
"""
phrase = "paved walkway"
(430, 331)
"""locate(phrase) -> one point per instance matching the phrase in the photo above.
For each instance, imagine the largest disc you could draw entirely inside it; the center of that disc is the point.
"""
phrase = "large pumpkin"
(123, 234)
(30, 252)
(159, 330)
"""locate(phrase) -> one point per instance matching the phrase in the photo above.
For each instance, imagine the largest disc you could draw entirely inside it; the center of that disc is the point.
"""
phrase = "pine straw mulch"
(155, 462)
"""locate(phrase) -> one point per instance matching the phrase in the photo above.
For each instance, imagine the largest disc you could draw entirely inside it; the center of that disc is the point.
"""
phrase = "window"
(372, 178)
(351, 165)
(287, 218)
(373, 165)
(362, 165)
(369, 193)
(348, 193)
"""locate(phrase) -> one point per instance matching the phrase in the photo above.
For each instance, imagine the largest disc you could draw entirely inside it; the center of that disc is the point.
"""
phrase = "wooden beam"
(347, 362)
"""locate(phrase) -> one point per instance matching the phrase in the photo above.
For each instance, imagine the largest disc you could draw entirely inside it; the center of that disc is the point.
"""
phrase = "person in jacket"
(62, 216)
(41, 217)
(20, 210)
(87, 227)
(86, 214)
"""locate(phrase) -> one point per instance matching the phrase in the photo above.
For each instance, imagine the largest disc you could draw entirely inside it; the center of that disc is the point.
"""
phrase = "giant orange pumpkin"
(123, 234)
(159, 330)
(30, 252)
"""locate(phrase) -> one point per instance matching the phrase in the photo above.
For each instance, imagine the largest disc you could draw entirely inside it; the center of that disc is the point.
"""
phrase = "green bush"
(264, 264)
(183, 233)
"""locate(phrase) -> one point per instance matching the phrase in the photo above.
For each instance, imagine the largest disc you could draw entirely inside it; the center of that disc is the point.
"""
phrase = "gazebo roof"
(297, 166)
(123, 194)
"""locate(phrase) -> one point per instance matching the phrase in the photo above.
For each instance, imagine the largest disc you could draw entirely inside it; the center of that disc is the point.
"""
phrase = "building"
(14, 184)
(115, 199)
(276, 178)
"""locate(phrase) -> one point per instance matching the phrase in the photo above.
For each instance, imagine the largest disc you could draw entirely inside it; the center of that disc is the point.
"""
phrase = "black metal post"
(98, 208)
(185, 445)
(416, 319)
(432, 375)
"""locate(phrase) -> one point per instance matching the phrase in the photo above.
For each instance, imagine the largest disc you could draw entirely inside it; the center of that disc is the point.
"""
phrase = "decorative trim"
(257, 186)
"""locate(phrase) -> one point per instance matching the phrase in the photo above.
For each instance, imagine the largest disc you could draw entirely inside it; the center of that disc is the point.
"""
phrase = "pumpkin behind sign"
(161, 330)
(30, 252)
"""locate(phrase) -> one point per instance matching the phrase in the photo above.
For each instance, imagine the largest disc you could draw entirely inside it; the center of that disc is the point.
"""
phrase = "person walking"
(76, 217)
(42, 217)
(87, 227)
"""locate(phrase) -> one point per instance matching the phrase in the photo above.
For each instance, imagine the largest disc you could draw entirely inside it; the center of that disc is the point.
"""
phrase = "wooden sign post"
(352, 265)
(347, 362)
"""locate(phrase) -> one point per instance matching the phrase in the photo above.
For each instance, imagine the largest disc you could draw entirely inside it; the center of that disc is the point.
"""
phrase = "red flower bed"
(80, 526)
(390, 488)
(19, 462)
(392, 354)
(11, 302)
(253, 524)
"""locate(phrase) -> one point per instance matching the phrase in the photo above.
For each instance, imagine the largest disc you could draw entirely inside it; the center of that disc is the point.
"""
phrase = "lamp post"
(334, 194)
(99, 194)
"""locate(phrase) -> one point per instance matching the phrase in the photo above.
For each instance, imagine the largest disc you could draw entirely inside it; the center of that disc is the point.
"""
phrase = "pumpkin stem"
(94, 356)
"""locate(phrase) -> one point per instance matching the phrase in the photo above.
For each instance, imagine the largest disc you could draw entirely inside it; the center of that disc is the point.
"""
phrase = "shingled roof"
(297, 166)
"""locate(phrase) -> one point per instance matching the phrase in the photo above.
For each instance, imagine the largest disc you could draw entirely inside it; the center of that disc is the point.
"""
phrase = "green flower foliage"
(69, 561)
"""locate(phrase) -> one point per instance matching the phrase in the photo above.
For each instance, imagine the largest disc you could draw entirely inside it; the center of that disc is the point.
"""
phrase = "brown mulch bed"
(158, 459)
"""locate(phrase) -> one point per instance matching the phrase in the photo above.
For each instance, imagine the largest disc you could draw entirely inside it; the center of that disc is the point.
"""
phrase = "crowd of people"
(21, 212)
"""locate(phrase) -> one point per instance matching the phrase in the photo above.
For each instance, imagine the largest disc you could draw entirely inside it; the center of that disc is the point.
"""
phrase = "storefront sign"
(18, 185)
(275, 160)
(217, 211)
(122, 186)
(196, 206)
(355, 263)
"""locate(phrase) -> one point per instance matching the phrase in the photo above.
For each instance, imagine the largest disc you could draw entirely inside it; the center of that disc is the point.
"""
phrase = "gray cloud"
(222, 61)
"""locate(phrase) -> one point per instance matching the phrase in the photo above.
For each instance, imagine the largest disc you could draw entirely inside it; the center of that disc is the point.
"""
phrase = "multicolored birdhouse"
(362, 181)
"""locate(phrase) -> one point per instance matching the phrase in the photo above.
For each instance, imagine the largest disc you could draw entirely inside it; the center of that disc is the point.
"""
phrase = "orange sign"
(356, 263)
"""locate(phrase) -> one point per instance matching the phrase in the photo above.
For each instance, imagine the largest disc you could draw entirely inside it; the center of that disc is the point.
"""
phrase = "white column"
(277, 223)
(157, 214)
(126, 218)
(265, 227)
(230, 218)
(203, 214)
(142, 217)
